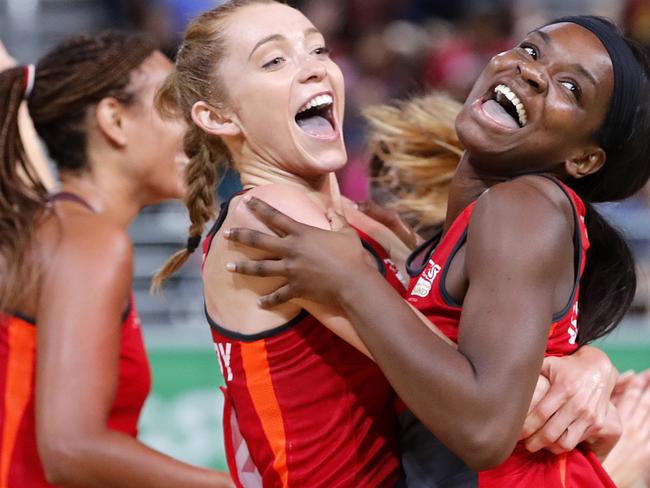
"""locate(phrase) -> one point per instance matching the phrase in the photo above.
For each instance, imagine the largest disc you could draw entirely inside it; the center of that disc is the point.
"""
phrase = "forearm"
(467, 410)
(113, 459)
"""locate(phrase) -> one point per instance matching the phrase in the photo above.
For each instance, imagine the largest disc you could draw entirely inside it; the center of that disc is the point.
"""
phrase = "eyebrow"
(576, 66)
(279, 37)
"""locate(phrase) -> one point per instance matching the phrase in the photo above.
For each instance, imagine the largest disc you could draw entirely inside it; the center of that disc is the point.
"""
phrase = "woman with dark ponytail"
(73, 371)
(525, 266)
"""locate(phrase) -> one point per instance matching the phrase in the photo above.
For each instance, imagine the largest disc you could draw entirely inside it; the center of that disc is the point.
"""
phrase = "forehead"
(151, 73)
(574, 44)
(248, 25)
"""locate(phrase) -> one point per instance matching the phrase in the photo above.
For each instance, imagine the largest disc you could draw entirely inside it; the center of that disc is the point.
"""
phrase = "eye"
(321, 51)
(530, 50)
(573, 87)
(274, 63)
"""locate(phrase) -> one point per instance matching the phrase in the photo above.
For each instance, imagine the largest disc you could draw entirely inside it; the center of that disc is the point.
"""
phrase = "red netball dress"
(427, 292)
(304, 408)
(20, 465)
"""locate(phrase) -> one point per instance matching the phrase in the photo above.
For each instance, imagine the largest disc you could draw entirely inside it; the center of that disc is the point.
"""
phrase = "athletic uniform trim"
(25, 318)
(449, 300)
(433, 241)
(280, 328)
(31, 321)
(230, 334)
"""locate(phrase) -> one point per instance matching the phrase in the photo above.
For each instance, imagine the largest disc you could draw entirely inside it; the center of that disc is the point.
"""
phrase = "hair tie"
(30, 78)
(192, 243)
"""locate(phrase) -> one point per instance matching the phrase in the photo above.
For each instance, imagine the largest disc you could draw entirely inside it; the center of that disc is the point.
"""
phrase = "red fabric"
(522, 469)
(334, 405)
(25, 469)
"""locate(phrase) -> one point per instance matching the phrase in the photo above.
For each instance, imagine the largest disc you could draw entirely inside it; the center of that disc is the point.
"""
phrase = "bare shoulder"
(531, 204)
(86, 241)
(523, 226)
(288, 199)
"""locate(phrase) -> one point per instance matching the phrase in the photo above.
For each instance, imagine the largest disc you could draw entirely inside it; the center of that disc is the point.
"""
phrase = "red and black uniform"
(427, 292)
(20, 465)
(303, 407)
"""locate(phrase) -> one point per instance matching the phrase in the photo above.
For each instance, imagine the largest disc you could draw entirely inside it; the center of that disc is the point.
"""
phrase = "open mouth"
(505, 107)
(316, 117)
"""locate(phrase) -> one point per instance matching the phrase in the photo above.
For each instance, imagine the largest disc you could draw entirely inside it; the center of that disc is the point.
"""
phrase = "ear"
(587, 163)
(109, 115)
(213, 121)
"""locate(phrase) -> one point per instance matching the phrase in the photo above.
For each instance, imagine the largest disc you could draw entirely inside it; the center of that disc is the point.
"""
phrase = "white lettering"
(223, 352)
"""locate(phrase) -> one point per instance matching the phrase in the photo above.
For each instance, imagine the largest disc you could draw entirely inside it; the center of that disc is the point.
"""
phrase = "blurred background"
(387, 49)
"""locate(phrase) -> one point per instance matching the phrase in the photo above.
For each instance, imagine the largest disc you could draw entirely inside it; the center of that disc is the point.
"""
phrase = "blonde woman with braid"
(73, 371)
(256, 86)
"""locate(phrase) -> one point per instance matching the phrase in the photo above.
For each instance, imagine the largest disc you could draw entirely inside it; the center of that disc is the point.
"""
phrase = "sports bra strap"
(70, 197)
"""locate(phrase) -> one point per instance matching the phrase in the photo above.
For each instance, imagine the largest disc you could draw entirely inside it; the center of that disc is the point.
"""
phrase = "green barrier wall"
(183, 414)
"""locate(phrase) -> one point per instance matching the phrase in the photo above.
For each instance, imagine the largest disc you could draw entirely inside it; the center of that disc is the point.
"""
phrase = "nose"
(312, 71)
(533, 76)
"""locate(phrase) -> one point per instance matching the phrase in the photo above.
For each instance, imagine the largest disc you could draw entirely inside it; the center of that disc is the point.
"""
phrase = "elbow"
(485, 448)
(61, 460)
(485, 457)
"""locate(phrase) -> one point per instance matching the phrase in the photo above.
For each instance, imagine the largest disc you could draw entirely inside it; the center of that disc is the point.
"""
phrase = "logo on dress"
(423, 286)
(573, 328)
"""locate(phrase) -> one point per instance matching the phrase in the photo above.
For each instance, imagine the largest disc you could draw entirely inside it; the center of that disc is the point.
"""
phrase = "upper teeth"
(514, 99)
(318, 101)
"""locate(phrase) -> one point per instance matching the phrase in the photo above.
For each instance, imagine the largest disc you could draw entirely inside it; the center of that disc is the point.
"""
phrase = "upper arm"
(84, 292)
(515, 251)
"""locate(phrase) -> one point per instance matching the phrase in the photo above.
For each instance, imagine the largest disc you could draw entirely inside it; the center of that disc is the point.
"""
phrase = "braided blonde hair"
(194, 80)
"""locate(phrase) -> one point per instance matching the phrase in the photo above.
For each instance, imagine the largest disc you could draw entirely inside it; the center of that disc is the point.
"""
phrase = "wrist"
(354, 294)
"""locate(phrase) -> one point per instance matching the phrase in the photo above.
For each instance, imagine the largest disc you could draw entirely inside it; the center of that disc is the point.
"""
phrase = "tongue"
(498, 113)
(316, 126)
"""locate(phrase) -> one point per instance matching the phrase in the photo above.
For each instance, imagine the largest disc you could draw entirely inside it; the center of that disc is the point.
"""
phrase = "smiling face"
(538, 104)
(284, 93)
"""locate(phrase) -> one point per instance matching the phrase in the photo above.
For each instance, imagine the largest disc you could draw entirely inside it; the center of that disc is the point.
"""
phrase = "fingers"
(258, 268)
(543, 411)
(541, 388)
(573, 436)
(273, 218)
(392, 220)
(257, 240)
(278, 297)
(552, 430)
(627, 402)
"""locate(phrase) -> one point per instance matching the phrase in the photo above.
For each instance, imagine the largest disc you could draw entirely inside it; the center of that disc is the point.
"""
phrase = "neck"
(111, 197)
(258, 172)
(467, 185)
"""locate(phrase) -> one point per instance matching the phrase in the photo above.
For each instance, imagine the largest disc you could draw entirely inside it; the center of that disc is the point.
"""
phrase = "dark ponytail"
(608, 284)
(21, 190)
